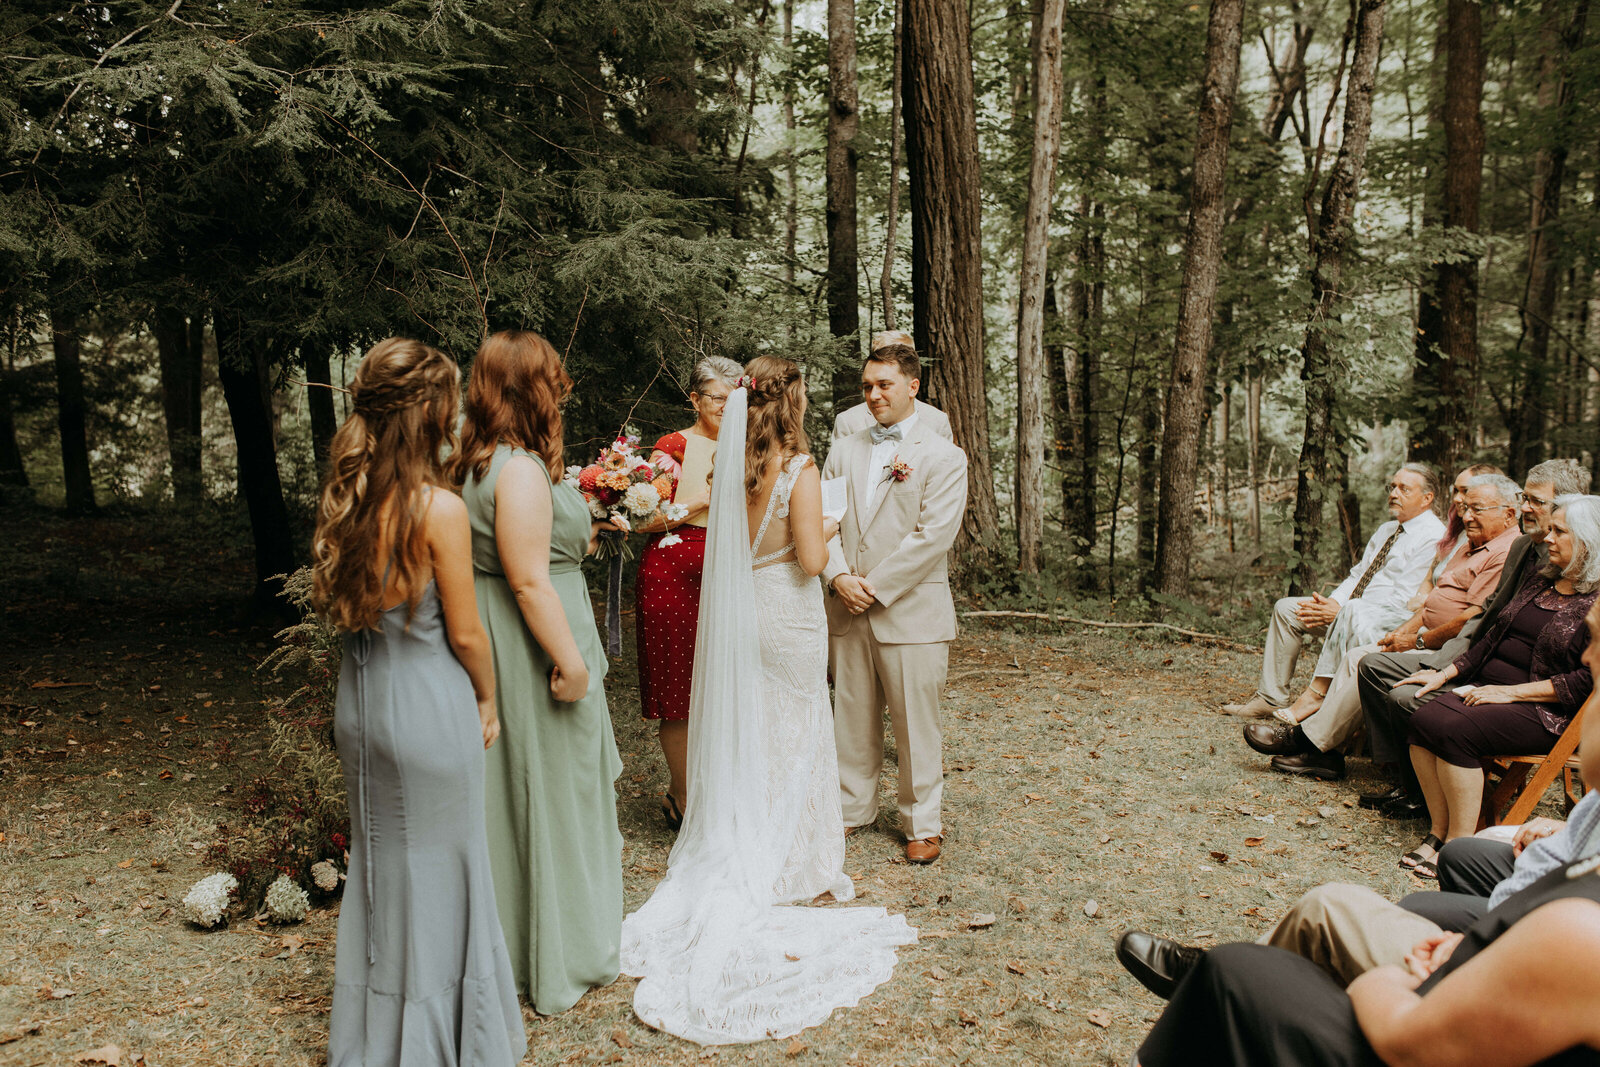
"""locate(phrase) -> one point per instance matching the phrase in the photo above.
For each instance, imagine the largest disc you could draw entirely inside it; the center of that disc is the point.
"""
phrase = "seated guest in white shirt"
(858, 418)
(1370, 602)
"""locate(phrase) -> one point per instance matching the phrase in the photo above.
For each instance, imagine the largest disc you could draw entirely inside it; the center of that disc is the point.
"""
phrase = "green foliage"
(295, 813)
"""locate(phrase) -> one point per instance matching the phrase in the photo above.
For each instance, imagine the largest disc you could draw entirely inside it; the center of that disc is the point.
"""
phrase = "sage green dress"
(550, 789)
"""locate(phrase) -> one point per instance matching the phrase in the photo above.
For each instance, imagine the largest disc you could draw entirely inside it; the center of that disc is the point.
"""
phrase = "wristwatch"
(1420, 646)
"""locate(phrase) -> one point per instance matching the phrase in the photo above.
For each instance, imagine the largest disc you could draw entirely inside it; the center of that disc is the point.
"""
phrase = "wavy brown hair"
(403, 408)
(514, 398)
(776, 421)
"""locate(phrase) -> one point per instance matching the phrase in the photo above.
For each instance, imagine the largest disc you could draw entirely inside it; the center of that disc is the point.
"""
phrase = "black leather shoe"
(1376, 801)
(1274, 738)
(1323, 766)
(1404, 808)
(1157, 962)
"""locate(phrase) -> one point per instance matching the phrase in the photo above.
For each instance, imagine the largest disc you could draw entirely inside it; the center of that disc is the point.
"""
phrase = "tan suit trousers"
(1347, 930)
(907, 679)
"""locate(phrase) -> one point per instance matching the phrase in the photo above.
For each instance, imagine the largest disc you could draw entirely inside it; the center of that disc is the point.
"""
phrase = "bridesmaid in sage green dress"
(550, 791)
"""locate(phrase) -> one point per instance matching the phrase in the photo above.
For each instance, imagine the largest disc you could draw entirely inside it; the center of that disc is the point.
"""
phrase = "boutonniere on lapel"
(899, 470)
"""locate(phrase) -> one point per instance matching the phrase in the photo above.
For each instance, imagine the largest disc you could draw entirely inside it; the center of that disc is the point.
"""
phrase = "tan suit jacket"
(854, 420)
(900, 544)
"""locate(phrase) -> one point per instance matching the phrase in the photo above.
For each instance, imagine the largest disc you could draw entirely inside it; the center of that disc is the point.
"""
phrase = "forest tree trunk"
(319, 400)
(1322, 369)
(1557, 45)
(946, 241)
(72, 412)
(1031, 288)
(1447, 326)
(791, 206)
(891, 209)
(1197, 300)
(13, 471)
(180, 348)
(241, 373)
(843, 283)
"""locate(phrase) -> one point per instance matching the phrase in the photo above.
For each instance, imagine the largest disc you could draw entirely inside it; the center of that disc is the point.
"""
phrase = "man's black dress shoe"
(1404, 808)
(1158, 963)
(1274, 738)
(1323, 766)
(1376, 801)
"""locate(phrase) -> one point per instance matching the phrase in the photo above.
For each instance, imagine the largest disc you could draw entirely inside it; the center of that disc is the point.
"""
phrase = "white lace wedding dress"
(722, 954)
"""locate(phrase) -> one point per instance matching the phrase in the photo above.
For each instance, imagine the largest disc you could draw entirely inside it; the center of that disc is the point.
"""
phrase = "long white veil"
(719, 961)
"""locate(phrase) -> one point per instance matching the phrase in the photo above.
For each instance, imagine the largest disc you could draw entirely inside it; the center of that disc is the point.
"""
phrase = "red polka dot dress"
(668, 594)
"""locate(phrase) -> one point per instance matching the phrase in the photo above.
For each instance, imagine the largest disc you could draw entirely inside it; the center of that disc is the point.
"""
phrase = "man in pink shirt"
(1312, 748)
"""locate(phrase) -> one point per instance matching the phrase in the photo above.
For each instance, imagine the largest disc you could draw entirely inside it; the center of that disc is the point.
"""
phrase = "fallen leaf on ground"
(967, 1018)
(125, 864)
(795, 1047)
(110, 1055)
(1220, 857)
(1100, 1017)
(48, 993)
(1016, 967)
(980, 920)
(621, 1038)
(1252, 842)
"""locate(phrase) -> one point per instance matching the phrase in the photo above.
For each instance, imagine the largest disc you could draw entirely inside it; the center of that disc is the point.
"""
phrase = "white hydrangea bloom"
(208, 900)
(597, 509)
(325, 875)
(641, 499)
(286, 901)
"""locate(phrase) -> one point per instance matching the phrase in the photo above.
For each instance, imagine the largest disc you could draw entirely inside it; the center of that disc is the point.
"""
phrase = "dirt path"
(1082, 768)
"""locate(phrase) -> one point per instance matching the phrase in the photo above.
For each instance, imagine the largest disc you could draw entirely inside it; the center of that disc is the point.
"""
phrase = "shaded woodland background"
(1190, 281)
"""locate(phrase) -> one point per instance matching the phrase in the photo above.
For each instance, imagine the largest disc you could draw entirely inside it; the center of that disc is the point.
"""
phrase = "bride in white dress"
(721, 955)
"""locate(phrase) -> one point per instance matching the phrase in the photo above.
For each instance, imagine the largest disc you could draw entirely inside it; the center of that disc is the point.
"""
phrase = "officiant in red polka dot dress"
(668, 588)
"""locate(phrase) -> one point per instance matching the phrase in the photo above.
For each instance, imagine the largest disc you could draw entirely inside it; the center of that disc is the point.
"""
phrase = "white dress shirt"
(883, 454)
(1405, 567)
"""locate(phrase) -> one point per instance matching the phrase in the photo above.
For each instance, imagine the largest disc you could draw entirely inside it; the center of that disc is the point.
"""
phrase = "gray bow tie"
(880, 434)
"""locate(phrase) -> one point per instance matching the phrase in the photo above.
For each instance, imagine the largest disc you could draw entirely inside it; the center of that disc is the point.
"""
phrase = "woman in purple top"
(1525, 680)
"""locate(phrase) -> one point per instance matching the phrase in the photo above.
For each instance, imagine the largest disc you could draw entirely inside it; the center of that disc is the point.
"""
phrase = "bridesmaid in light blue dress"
(421, 973)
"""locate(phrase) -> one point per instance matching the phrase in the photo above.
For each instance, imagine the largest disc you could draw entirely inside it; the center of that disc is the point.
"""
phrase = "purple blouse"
(1557, 653)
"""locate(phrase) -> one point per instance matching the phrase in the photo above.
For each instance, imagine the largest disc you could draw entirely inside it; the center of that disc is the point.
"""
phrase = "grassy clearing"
(1082, 768)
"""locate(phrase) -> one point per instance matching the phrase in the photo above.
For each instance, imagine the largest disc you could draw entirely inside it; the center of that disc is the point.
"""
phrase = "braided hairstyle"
(382, 461)
(514, 398)
(776, 421)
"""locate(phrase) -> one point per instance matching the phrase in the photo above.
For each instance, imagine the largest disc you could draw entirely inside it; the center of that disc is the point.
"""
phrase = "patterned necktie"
(1377, 564)
(880, 434)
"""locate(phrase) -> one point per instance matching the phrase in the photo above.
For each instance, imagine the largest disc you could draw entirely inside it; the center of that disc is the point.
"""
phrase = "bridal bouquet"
(624, 489)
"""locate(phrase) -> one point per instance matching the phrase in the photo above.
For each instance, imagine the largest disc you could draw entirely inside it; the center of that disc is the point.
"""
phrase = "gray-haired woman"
(669, 581)
(1526, 681)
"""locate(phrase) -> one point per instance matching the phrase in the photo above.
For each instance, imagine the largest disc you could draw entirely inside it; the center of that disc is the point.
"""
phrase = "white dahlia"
(641, 499)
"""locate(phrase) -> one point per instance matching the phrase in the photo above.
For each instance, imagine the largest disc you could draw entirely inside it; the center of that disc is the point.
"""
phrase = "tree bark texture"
(1321, 368)
(1031, 288)
(791, 207)
(1559, 39)
(13, 471)
(843, 288)
(180, 344)
(72, 412)
(892, 208)
(241, 373)
(319, 400)
(946, 236)
(1447, 326)
(1197, 300)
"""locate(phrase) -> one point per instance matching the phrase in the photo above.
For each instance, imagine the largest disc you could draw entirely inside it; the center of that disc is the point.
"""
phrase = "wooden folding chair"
(1522, 793)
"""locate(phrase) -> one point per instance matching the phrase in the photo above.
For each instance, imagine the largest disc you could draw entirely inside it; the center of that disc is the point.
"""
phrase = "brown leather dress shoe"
(1273, 738)
(924, 850)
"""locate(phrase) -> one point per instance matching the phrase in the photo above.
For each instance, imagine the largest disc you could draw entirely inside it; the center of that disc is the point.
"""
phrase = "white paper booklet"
(835, 499)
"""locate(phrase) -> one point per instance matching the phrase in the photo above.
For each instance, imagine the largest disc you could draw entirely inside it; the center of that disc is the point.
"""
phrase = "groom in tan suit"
(890, 616)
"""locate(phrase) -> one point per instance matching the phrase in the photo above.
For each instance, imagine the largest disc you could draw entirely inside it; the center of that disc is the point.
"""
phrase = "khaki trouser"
(1347, 930)
(1285, 637)
(907, 679)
